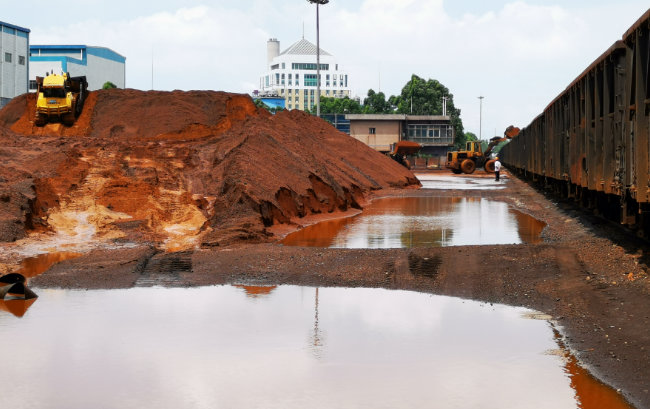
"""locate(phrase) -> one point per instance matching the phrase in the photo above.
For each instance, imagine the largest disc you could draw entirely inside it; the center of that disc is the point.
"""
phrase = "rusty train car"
(592, 141)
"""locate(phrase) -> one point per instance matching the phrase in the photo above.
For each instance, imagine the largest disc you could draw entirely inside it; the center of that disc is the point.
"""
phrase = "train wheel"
(489, 166)
(468, 166)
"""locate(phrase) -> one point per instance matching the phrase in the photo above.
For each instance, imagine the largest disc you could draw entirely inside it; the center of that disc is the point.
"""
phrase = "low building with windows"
(292, 74)
(98, 64)
(434, 132)
(14, 69)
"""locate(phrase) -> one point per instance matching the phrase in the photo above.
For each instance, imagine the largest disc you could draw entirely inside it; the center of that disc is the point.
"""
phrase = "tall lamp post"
(480, 118)
(318, 2)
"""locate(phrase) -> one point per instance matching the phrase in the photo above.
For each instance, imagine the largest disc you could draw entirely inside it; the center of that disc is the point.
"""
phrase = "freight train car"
(591, 142)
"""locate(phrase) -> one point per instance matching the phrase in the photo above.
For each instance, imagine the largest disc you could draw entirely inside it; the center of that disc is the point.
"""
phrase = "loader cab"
(474, 146)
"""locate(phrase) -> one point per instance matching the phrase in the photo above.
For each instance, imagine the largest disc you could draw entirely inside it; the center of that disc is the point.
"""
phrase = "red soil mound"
(172, 165)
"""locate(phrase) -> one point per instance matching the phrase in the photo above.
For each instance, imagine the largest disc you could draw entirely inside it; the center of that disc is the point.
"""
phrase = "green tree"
(375, 103)
(424, 97)
(108, 85)
(344, 105)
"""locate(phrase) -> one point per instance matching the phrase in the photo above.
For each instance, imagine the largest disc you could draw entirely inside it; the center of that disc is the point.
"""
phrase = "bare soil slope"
(179, 168)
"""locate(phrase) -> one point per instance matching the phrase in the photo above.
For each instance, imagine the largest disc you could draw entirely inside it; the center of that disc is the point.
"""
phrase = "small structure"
(14, 71)
(381, 131)
(97, 64)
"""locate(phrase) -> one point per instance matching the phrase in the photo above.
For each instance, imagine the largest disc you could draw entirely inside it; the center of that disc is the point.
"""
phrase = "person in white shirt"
(497, 169)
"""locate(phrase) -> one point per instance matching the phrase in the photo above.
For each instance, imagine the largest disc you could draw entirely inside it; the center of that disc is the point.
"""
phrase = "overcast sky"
(518, 54)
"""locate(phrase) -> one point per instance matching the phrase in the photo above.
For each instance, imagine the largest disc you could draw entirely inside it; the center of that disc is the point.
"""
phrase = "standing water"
(423, 222)
(281, 347)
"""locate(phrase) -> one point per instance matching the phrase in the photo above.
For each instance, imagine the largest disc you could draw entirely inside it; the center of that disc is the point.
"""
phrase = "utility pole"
(318, 2)
(480, 118)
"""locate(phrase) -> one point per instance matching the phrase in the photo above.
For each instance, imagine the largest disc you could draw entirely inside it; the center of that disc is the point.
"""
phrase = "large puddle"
(423, 222)
(283, 347)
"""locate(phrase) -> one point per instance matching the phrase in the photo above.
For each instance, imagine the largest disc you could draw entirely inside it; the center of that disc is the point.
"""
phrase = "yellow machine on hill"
(473, 156)
(60, 98)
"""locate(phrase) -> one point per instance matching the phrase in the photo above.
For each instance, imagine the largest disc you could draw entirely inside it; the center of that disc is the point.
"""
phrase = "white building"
(98, 64)
(291, 74)
(14, 70)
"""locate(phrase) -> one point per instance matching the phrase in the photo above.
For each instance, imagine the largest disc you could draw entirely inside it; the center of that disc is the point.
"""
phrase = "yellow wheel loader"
(60, 98)
(473, 156)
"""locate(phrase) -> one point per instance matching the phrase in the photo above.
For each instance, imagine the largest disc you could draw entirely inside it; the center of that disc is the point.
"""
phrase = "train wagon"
(591, 142)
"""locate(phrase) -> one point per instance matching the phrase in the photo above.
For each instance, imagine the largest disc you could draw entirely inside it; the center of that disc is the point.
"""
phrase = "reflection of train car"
(592, 142)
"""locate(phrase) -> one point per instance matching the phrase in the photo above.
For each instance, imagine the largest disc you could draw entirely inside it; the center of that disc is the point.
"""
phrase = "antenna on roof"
(303, 30)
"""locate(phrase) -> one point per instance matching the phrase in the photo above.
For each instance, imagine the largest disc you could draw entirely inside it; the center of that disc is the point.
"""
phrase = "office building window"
(290, 79)
(371, 131)
(21, 59)
(7, 57)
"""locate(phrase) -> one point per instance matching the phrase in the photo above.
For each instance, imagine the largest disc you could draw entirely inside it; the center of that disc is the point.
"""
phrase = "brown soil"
(180, 169)
(229, 177)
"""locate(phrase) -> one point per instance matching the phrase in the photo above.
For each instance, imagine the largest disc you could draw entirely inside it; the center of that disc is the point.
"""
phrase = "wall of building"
(98, 64)
(386, 133)
(102, 69)
(14, 46)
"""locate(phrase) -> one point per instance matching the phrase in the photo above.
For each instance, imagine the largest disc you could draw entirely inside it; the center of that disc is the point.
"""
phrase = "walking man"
(497, 168)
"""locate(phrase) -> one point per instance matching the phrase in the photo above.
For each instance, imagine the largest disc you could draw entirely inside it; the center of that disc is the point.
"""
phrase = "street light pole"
(480, 119)
(318, 2)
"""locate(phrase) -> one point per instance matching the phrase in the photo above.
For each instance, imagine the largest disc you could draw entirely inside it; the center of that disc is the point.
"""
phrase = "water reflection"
(423, 222)
(33, 266)
(17, 307)
(383, 349)
(255, 291)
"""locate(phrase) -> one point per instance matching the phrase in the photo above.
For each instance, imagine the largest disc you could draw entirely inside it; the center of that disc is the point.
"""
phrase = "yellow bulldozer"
(60, 98)
(466, 161)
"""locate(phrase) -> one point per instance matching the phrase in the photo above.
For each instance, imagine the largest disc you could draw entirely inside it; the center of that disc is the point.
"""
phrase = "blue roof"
(24, 30)
(101, 52)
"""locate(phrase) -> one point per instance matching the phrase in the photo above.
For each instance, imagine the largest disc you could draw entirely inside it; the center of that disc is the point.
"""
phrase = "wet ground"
(295, 347)
(587, 275)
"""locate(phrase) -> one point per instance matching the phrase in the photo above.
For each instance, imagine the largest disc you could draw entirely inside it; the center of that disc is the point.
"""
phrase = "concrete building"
(98, 64)
(434, 132)
(14, 69)
(291, 74)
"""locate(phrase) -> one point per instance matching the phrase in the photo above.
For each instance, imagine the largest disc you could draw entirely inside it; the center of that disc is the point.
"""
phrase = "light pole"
(318, 3)
(480, 118)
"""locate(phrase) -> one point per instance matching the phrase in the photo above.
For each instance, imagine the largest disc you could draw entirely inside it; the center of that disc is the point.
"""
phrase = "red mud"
(211, 163)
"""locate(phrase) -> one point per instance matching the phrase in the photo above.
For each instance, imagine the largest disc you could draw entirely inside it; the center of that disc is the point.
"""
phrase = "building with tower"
(292, 75)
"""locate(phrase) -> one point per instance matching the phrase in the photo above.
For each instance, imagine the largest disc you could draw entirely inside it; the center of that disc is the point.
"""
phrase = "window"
(371, 131)
(310, 80)
(277, 78)
(32, 84)
(337, 67)
(297, 79)
(334, 77)
(282, 65)
(308, 66)
(346, 80)
(282, 79)
(21, 59)
(7, 57)
(290, 79)
(275, 66)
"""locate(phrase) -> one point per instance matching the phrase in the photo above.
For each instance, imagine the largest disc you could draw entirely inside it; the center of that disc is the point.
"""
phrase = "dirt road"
(590, 277)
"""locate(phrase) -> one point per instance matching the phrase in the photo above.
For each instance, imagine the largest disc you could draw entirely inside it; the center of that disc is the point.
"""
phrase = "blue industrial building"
(98, 64)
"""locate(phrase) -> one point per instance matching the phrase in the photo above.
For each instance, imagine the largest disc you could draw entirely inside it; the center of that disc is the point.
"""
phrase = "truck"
(401, 150)
(468, 160)
(60, 98)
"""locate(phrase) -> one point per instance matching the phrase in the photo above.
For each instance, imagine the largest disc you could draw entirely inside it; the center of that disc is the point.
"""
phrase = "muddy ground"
(590, 276)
